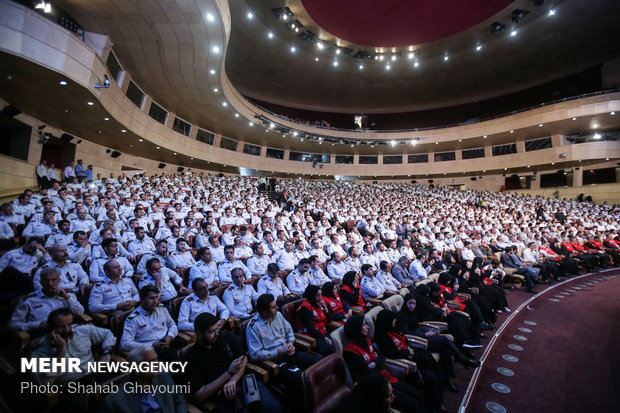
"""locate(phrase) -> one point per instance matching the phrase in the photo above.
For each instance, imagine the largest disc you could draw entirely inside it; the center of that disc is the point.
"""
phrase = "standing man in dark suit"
(560, 216)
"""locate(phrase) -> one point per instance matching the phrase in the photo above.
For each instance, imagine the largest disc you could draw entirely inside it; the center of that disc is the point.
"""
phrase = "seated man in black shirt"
(216, 364)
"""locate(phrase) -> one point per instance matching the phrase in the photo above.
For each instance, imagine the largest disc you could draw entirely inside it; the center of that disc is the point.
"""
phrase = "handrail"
(428, 128)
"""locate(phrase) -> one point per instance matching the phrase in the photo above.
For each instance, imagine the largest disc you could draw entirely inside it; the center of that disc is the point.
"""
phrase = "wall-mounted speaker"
(180, 169)
(115, 154)
(65, 137)
(221, 175)
(10, 111)
(430, 181)
(473, 178)
(161, 165)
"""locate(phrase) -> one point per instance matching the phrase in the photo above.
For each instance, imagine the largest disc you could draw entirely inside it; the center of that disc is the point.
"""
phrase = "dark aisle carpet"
(569, 360)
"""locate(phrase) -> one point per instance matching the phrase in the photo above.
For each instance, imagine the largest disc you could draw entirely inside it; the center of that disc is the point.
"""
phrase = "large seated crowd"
(382, 286)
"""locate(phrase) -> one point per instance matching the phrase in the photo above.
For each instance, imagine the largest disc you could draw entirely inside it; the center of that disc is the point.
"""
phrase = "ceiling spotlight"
(479, 47)
(295, 133)
(460, 140)
(236, 115)
(251, 123)
(612, 113)
(90, 103)
(540, 125)
(513, 33)
(551, 12)
(174, 153)
(436, 143)
(63, 83)
(316, 59)
(512, 131)
(337, 51)
(335, 63)
(595, 125)
(210, 17)
(216, 90)
(361, 67)
(250, 15)
(393, 58)
(414, 142)
(140, 140)
(158, 147)
(484, 137)
(215, 49)
(388, 67)
(381, 58)
(597, 136)
(393, 143)
(319, 45)
(123, 130)
(212, 71)
(106, 118)
(270, 35)
(552, 163)
(446, 58)
(272, 125)
(574, 118)
(224, 104)
(416, 64)
(293, 49)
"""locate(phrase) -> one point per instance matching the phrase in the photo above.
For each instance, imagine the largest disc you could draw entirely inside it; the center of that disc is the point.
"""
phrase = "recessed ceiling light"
(224, 104)
(551, 12)
(216, 90)
(574, 118)
(416, 64)
(63, 82)
(606, 159)
(512, 131)
(528, 166)
(174, 153)
(193, 159)
(215, 49)
(478, 47)
(513, 33)
(90, 103)
(123, 130)
(595, 125)
(388, 67)
(460, 140)
(484, 170)
(270, 35)
(210, 17)
(484, 137)
(319, 45)
(393, 143)
(266, 130)
(99, 131)
(446, 58)
(293, 49)
(158, 147)
(337, 51)
(9, 77)
(335, 63)
(212, 71)
(250, 15)
(436, 143)
(552, 163)
(612, 113)
(106, 118)
(236, 115)
(414, 142)
(140, 140)
(540, 125)
(393, 58)
(410, 56)
(505, 169)
(316, 59)
(597, 136)
(361, 67)
(251, 123)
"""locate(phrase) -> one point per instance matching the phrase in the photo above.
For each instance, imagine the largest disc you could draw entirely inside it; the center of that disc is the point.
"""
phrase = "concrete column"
(535, 183)
(240, 146)
(557, 140)
(217, 140)
(488, 152)
(356, 158)
(170, 120)
(520, 146)
(578, 177)
(458, 155)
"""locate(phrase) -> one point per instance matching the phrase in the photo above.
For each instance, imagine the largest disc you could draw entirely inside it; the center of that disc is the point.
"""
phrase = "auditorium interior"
(323, 142)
